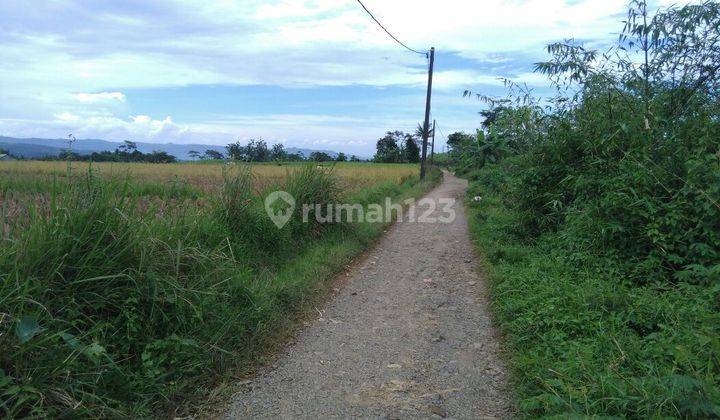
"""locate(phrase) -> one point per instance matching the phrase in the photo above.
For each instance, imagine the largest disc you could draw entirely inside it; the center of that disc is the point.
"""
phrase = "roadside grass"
(582, 341)
(112, 306)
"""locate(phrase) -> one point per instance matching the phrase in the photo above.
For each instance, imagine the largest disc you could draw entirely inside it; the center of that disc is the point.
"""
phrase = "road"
(407, 335)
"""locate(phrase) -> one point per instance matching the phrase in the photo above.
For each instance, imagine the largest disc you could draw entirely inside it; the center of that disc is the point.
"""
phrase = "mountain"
(37, 147)
(33, 151)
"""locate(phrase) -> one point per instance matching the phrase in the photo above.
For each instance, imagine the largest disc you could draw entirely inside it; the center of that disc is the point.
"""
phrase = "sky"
(306, 73)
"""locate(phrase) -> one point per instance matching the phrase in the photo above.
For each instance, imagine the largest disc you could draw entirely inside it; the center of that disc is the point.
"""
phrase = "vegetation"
(253, 151)
(320, 157)
(599, 217)
(397, 147)
(258, 151)
(126, 152)
(114, 303)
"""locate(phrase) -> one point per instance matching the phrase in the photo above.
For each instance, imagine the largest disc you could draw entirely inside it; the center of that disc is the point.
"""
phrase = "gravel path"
(409, 335)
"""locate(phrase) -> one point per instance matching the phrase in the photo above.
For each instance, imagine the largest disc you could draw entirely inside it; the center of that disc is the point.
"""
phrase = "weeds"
(111, 306)
(601, 225)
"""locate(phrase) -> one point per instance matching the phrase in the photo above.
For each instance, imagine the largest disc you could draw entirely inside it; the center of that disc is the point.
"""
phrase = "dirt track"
(408, 336)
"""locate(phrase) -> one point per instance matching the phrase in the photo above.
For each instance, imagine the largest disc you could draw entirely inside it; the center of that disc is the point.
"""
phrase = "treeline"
(126, 152)
(398, 147)
(600, 212)
(252, 151)
(257, 150)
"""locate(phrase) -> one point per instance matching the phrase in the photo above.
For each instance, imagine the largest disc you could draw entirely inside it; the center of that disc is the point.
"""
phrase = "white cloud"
(99, 97)
(280, 43)
(57, 77)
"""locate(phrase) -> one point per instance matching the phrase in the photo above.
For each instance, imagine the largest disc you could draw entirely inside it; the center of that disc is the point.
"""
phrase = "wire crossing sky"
(308, 73)
(388, 32)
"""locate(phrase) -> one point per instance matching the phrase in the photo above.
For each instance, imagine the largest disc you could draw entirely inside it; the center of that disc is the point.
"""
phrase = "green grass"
(110, 307)
(583, 341)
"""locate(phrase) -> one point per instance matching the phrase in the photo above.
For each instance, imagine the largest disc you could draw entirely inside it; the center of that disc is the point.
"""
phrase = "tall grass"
(110, 306)
(582, 340)
(600, 220)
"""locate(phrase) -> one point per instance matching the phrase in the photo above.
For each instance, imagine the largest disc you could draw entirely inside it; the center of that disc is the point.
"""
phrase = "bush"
(602, 228)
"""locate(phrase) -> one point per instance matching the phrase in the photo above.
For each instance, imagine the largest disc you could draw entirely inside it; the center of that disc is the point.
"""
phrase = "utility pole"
(426, 126)
(432, 147)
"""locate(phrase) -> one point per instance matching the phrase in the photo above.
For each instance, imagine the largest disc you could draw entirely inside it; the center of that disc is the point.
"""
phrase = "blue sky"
(316, 74)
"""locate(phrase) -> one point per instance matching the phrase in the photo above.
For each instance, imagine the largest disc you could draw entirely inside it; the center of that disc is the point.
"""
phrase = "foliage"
(320, 157)
(213, 155)
(411, 150)
(278, 153)
(611, 261)
(581, 341)
(253, 151)
(126, 152)
(113, 305)
(397, 147)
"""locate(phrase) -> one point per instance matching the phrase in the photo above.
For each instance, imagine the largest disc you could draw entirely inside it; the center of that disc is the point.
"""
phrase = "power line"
(441, 132)
(388, 32)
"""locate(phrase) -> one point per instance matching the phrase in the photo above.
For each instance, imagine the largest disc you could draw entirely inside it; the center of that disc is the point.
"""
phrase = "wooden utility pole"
(426, 126)
(432, 146)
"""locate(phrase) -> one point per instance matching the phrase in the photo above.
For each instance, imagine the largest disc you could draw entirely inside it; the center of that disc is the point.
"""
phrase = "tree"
(420, 130)
(158, 156)
(320, 157)
(295, 157)
(254, 151)
(491, 115)
(387, 150)
(278, 152)
(194, 154)
(213, 154)
(257, 151)
(354, 158)
(412, 150)
(128, 152)
(128, 147)
(341, 157)
(456, 139)
(235, 151)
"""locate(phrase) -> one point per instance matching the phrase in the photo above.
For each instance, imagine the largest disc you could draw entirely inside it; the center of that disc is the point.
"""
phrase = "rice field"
(26, 186)
(203, 177)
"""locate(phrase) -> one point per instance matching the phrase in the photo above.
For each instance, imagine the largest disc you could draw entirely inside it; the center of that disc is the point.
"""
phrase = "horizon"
(308, 74)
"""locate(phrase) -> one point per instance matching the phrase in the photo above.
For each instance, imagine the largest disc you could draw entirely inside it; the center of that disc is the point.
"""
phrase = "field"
(131, 289)
(29, 183)
(197, 178)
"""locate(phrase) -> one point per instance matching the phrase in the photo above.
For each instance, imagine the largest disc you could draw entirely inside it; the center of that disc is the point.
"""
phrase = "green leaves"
(27, 328)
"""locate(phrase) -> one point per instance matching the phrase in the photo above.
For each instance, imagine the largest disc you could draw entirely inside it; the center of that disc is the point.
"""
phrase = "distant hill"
(33, 151)
(31, 148)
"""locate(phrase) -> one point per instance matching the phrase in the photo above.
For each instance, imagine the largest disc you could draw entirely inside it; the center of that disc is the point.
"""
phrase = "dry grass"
(208, 176)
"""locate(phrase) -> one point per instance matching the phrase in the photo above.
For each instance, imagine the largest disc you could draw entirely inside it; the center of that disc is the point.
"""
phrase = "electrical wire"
(388, 32)
(441, 131)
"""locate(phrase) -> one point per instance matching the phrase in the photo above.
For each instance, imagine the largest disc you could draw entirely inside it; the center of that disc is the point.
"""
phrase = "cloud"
(289, 42)
(70, 64)
(99, 97)
(140, 127)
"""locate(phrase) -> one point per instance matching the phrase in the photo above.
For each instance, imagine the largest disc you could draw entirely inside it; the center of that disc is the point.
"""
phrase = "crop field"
(196, 177)
(130, 289)
(28, 184)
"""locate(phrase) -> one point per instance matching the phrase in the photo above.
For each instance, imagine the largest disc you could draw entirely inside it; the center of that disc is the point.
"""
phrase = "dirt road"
(408, 336)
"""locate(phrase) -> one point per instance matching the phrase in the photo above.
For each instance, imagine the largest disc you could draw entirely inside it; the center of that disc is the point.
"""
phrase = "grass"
(113, 304)
(34, 175)
(582, 341)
